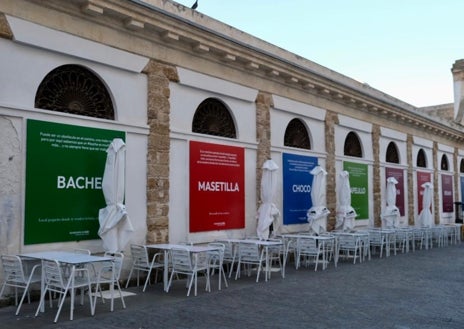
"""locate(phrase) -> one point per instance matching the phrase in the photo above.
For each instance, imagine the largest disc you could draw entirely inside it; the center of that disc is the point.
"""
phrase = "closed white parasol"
(345, 212)
(391, 212)
(267, 211)
(317, 214)
(115, 225)
(425, 217)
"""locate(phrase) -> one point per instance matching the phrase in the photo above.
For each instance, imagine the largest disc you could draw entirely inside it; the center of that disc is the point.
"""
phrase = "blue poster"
(297, 182)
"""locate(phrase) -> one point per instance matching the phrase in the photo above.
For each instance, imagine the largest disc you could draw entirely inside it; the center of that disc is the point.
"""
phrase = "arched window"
(461, 166)
(392, 153)
(76, 90)
(296, 135)
(212, 117)
(444, 162)
(352, 146)
(421, 160)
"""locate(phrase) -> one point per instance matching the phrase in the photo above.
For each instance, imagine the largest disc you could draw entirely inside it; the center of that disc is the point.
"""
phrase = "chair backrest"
(216, 255)
(376, 237)
(221, 247)
(180, 259)
(52, 272)
(307, 246)
(228, 251)
(118, 259)
(348, 241)
(139, 255)
(13, 269)
(248, 252)
(82, 251)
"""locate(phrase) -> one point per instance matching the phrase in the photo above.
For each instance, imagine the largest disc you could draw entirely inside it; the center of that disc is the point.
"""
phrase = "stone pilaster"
(264, 102)
(457, 168)
(159, 75)
(5, 31)
(331, 119)
(376, 172)
(436, 191)
(410, 180)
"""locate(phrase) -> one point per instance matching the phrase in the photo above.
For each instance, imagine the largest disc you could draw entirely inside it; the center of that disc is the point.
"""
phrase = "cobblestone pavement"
(421, 289)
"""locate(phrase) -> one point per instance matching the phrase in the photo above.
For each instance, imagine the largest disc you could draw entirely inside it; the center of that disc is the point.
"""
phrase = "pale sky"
(404, 48)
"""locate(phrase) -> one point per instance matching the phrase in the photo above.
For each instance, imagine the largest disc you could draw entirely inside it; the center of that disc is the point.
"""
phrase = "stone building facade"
(160, 61)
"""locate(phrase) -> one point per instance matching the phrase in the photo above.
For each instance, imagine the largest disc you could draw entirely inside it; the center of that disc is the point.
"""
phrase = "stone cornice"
(187, 31)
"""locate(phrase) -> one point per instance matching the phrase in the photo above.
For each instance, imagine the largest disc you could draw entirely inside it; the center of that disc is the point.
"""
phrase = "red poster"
(217, 187)
(422, 178)
(447, 192)
(398, 174)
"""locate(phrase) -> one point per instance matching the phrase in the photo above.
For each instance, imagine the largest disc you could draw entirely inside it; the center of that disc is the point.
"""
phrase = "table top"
(307, 236)
(66, 257)
(258, 242)
(169, 246)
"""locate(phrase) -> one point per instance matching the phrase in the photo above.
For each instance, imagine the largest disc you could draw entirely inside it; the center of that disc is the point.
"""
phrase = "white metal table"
(73, 259)
(168, 246)
(266, 244)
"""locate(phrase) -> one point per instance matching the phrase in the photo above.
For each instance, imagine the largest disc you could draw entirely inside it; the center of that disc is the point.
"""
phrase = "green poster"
(359, 188)
(64, 171)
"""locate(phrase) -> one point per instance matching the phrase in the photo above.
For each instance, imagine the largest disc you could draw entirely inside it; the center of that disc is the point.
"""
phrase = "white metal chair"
(437, 236)
(276, 254)
(418, 238)
(348, 246)
(307, 248)
(402, 240)
(183, 262)
(56, 282)
(229, 256)
(290, 248)
(16, 276)
(216, 261)
(377, 240)
(142, 263)
(249, 254)
(109, 273)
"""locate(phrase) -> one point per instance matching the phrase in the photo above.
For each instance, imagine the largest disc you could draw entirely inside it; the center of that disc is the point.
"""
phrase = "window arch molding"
(352, 146)
(213, 117)
(75, 89)
(297, 134)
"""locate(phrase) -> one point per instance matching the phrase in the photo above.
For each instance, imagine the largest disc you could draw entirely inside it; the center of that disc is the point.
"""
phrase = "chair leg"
(129, 277)
(61, 306)
(224, 276)
(120, 294)
(147, 280)
(26, 292)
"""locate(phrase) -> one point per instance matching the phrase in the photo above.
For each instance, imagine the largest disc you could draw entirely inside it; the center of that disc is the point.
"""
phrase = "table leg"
(112, 287)
(42, 288)
(266, 272)
(166, 269)
(72, 291)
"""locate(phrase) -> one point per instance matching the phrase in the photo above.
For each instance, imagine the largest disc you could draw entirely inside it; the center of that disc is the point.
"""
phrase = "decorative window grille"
(352, 146)
(421, 159)
(296, 135)
(392, 153)
(76, 90)
(212, 117)
(444, 162)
